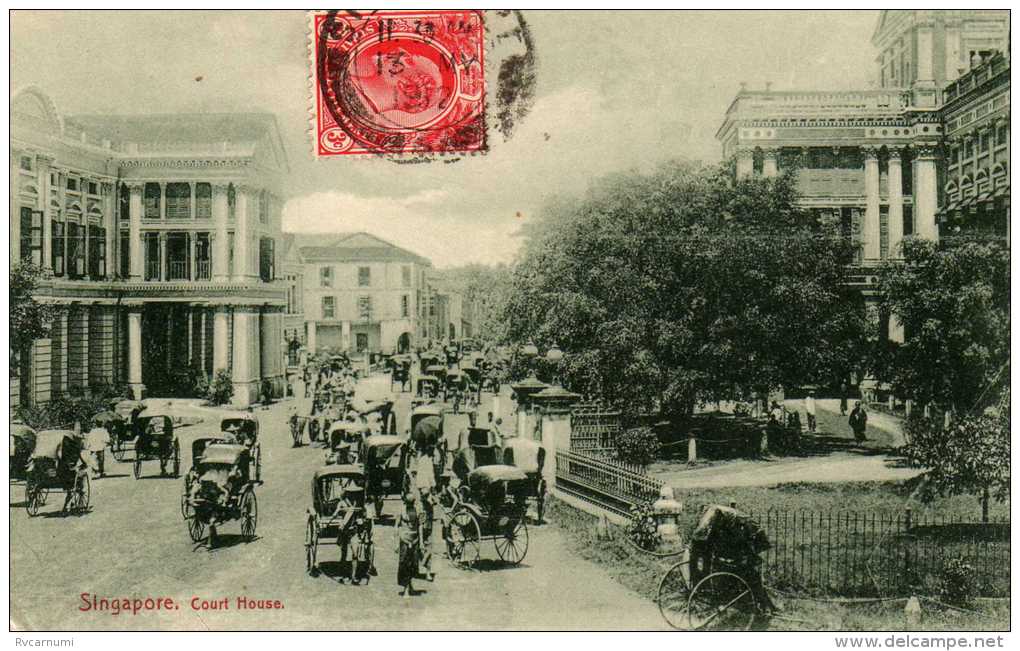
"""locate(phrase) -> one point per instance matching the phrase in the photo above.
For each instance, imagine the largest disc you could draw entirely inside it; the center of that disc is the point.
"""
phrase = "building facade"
(873, 160)
(975, 197)
(361, 293)
(158, 238)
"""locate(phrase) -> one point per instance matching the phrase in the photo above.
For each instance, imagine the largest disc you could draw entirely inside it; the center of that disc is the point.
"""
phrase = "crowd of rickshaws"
(218, 487)
(483, 486)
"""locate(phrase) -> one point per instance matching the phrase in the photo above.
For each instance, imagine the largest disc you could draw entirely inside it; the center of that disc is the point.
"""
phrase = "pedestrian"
(809, 407)
(425, 486)
(96, 442)
(859, 422)
(842, 399)
(407, 552)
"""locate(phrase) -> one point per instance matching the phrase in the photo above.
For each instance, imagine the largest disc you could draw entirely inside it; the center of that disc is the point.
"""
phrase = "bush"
(63, 411)
(639, 446)
(956, 583)
(221, 390)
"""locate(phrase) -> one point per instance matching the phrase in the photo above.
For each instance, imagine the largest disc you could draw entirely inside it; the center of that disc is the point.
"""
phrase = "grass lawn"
(641, 572)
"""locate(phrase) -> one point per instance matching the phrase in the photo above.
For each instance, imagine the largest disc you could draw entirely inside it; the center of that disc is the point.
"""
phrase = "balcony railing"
(203, 270)
(178, 270)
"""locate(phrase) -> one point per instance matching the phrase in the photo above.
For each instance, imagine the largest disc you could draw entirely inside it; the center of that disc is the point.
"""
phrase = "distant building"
(976, 118)
(361, 293)
(873, 160)
(158, 236)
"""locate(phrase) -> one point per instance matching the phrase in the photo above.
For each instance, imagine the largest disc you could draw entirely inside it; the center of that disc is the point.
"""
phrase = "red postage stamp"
(399, 82)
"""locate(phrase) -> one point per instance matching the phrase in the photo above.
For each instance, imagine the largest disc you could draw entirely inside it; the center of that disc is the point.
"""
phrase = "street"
(134, 544)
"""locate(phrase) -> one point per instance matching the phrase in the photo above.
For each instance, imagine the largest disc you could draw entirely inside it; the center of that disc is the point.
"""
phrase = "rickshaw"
(220, 487)
(385, 462)
(155, 440)
(491, 505)
(344, 442)
(384, 408)
(124, 432)
(198, 447)
(243, 427)
(338, 513)
(22, 439)
(529, 456)
(56, 465)
(298, 425)
(437, 371)
(427, 386)
(722, 563)
(400, 371)
(454, 388)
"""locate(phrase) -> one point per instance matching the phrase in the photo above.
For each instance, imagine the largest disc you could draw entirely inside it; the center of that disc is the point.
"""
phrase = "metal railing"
(594, 428)
(203, 270)
(178, 270)
(612, 485)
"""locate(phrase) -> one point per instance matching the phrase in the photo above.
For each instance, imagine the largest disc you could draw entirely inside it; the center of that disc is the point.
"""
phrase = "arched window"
(178, 201)
(203, 201)
(151, 201)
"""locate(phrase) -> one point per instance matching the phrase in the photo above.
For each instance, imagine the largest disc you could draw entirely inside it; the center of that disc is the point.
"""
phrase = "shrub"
(639, 446)
(956, 583)
(221, 390)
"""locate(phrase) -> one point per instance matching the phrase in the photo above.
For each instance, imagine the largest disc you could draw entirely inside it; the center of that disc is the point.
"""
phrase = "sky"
(614, 91)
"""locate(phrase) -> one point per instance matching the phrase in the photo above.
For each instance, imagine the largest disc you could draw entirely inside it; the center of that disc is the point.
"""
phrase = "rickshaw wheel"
(249, 515)
(138, 466)
(673, 596)
(512, 547)
(723, 602)
(186, 510)
(177, 459)
(258, 462)
(462, 539)
(34, 498)
(311, 545)
(83, 492)
(196, 528)
(540, 501)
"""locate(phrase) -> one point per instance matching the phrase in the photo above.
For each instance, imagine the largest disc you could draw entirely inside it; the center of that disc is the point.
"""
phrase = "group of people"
(779, 416)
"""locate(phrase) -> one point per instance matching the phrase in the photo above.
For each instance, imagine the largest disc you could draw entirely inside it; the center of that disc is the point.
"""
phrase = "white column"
(896, 332)
(191, 187)
(221, 354)
(201, 338)
(872, 228)
(162, 275)
(47, 224)
(311, 337)
(162, 201)
(135, 351)
(192, 261)
(345, 335)
(242, 370)
(925, 54)
(926, 195)
(221, 251)
(135, 231)
(770, 163)
(112, 226)
(895, 201)
(745, 163)
(191, 336)
(242, 233)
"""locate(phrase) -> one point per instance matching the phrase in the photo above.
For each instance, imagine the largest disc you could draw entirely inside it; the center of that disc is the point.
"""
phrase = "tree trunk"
(984, 506)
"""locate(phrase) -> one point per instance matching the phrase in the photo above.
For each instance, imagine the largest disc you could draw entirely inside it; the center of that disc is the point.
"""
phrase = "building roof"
(175, 128)
(352, 247)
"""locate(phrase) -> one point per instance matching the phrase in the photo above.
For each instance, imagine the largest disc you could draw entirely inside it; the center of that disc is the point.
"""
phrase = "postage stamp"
(399, 82)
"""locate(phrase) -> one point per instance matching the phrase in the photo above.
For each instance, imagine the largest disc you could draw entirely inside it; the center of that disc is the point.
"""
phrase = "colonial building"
(361, 293)
(158, 238)
(871, 160)
(976, 118)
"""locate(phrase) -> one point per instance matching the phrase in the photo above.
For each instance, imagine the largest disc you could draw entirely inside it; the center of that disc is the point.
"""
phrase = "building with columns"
(870, 160)
(975, 197)
(158, 237)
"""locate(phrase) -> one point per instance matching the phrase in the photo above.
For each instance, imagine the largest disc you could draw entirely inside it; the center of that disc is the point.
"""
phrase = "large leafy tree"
(682, 286)
(484, 288)
(30, 319)
(953, 301)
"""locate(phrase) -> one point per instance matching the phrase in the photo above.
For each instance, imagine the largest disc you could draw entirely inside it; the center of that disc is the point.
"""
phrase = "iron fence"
(613, 485)
(593, 427)
(875, 554)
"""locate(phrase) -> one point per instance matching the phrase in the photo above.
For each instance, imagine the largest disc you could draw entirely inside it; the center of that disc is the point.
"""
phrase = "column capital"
(246, 188)
(745, 151)
(107, 187)
(925, 151)
(895, 151)
(870, 152)
(220, 187)
(771, 153)
(134, 186)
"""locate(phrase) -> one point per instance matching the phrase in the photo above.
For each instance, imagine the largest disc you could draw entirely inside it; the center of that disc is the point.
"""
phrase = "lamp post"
(529, 352)
(554, 356)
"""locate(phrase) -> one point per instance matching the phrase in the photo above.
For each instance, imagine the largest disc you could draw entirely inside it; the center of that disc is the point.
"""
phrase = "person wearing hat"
(810, 408)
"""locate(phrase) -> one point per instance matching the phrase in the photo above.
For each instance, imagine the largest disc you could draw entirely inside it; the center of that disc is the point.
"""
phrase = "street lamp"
(529, 352)
(554, 356)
